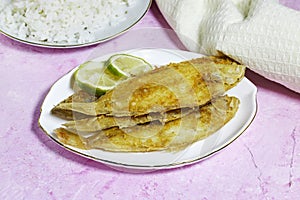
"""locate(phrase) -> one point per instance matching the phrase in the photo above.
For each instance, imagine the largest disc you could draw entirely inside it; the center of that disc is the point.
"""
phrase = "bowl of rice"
(69, 23)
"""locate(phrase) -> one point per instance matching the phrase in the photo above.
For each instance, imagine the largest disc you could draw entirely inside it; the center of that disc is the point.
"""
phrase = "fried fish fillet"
(171, 136)
(85, 123)
(79, 96)
(176, 85)
(93, 124)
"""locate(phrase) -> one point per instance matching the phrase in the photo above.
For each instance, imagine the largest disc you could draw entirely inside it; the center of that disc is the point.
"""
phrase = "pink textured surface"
(264, 163)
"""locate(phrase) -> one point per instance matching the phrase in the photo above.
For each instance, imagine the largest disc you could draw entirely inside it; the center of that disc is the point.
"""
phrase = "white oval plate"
(133, 16)
(245, 91)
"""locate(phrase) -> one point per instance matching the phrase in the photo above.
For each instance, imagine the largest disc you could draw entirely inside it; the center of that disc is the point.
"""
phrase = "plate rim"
(77, 45)
(150, 167)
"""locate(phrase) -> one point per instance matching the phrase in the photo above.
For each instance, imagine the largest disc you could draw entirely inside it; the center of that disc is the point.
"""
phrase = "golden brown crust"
(186, 84)
(171, 136)
(198, 83)
(79, 96)
(93, 124)
(69, 138)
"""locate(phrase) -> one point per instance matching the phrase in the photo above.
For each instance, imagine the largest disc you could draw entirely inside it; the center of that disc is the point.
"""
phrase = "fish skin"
(171, 136)
(176, 85)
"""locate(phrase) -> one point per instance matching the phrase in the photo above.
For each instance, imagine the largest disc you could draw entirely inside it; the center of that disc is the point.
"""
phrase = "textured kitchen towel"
(261, 34)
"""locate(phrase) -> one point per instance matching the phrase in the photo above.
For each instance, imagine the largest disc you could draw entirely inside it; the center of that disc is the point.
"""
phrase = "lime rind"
(127, 65)
(97, 78)
(93, 78)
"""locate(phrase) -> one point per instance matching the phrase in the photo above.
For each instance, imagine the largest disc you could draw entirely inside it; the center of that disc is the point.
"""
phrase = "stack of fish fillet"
(168, 108)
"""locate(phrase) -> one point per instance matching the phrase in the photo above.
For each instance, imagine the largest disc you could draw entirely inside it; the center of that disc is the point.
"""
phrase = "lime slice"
(94, 78)
(127, 65)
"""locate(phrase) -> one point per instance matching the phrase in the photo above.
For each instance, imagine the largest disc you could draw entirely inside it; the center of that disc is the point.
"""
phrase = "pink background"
(264, 163)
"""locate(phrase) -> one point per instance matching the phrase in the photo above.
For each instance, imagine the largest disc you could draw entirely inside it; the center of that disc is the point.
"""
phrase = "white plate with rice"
(69, 23)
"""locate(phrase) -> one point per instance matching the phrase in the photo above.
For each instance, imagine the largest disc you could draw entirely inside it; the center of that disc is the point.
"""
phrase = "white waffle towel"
(262, 34)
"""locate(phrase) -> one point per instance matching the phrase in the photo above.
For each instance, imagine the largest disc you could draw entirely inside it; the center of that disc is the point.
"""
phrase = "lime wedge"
(94, 78)
(124, 65)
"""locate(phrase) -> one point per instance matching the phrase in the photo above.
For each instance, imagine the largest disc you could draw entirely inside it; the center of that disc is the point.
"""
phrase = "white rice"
(60, 21)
